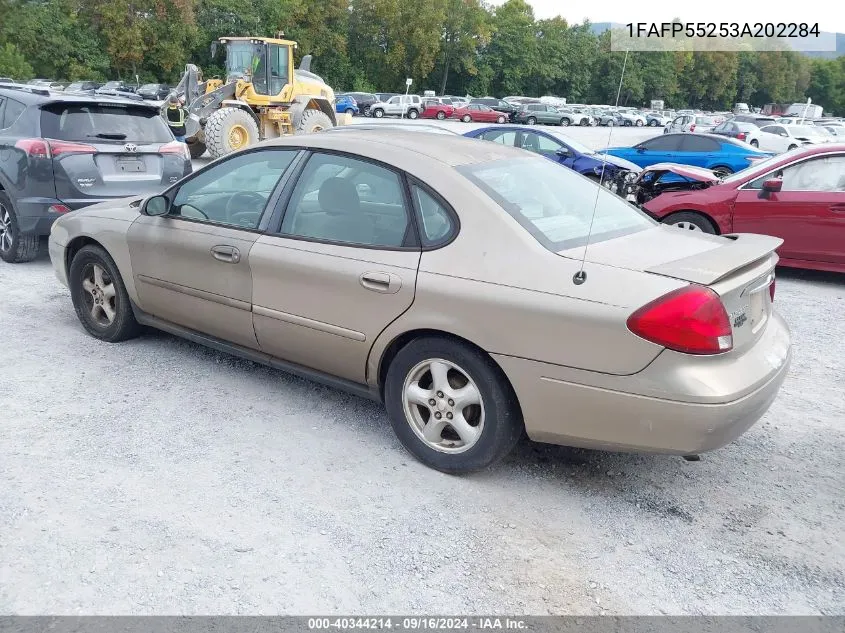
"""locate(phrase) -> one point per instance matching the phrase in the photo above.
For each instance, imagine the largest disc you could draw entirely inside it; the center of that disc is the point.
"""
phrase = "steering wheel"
(258, 202)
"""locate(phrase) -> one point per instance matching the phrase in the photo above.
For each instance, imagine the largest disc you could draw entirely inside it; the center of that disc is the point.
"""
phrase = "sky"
(829, 15)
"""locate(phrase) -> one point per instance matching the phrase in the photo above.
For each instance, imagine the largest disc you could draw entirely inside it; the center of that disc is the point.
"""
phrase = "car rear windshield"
(106, 122)
(554, 204)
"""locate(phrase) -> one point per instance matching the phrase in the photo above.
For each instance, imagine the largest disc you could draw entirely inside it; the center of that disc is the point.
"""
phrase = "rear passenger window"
(12, 113)
(435, 221)
(342, 199)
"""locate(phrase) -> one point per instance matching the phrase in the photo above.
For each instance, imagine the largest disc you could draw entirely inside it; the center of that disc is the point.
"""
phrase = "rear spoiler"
(739, 251)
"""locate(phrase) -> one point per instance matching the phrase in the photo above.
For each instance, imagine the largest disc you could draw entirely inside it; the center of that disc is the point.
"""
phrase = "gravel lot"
(157, 477)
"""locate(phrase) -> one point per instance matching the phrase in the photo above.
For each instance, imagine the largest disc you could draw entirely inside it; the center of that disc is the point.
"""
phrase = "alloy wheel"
(443, 406)
(687, 226)
(100, 294)
(6, 231)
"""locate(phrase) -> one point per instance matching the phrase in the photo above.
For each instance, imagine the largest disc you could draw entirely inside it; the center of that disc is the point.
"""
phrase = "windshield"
(149, 87)
(90, 121)
(239, 58)
(555, 205)
(804, 130)
(111, 85)
(704, 120)
(761, 166)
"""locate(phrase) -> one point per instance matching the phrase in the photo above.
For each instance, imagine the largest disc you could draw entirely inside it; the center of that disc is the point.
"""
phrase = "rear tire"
(466, 118)
(791, 147)
(413, 114)
(639, 123)
(229, 130)
(441, 115)
(690, 221)
(313, 121)
(565, 122)
(754, 143)
(531, 120)
(500, 120)
(491, 418)
(90, 289)
(652, 123)
(722, 170)
(609, 123)
(15, 248)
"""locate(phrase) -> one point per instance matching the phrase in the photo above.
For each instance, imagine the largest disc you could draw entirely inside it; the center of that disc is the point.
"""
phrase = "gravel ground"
(157, 477)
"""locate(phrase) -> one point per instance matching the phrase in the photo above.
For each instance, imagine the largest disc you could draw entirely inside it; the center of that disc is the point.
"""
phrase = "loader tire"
(229, 130)
(313, 121)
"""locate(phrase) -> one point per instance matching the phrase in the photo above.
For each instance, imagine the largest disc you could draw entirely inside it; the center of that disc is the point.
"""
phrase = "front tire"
(441, 115)
(475, 419)
(531, 120)
(609, 123)
(350, 111)
(378, 113)
(639, 123)
(99, 296)
(15, 248)
(754, 143)
(500, 120)
(791, 147)
(313, 121)
(690, 221)
(466, 118)
(722, 170)
(652, 123)
(229, 130)
(565, 122)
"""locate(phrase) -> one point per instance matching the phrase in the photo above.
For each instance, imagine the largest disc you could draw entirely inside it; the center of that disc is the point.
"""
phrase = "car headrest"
(337, 195)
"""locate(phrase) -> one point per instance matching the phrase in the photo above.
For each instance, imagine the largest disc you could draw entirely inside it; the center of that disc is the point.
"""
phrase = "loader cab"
(266, 63)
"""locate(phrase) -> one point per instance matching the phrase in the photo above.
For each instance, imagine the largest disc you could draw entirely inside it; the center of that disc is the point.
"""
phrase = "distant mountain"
(600, 27)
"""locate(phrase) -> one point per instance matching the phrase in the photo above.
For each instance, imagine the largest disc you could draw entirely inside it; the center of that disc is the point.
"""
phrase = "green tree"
(512, 54)
(466, 29)
(13, 64)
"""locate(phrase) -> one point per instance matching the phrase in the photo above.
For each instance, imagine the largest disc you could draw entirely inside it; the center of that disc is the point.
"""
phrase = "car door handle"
(381, 282)
(225, 253)
(837, 208)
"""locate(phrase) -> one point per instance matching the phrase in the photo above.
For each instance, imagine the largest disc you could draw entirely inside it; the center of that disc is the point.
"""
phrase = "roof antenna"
(581, 276)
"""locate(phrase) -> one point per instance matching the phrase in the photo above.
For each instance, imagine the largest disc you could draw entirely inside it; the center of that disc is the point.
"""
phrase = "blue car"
(717, 153)
(345, 103)
(559, 148)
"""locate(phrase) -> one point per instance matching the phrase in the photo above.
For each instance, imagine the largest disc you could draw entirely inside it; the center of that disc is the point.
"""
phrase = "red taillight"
(58, 208)
(44, 148)
(175, 147)
(772, 289)
(741, 136)
(690, 320)
(68, 147)
(35, 147)
(692, 127)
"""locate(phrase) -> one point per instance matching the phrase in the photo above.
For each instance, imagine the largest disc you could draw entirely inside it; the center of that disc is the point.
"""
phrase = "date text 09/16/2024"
(417, 623)
(722, 29)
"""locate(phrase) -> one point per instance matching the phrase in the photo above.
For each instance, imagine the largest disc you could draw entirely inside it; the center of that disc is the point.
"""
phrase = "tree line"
(450, 46)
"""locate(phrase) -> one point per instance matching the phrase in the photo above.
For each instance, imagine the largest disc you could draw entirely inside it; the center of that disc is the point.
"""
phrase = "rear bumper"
(35, 217)
(695, 405)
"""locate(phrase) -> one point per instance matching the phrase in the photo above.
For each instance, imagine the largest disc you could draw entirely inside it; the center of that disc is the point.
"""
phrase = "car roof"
(28, 96)
(452, 150)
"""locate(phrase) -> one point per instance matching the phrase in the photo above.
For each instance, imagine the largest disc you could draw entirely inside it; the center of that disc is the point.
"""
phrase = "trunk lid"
(109, 150)
(740, 268)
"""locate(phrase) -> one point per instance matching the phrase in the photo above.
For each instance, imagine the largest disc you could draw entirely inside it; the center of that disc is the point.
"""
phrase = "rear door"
(191, 266)
(808, 213)
(339, 267)
(700, 151)
(110, 150)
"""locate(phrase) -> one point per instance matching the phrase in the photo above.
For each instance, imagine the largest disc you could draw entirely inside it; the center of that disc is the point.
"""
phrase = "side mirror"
(772, 185)
(563, 152)
(157, 205)
(640, 150)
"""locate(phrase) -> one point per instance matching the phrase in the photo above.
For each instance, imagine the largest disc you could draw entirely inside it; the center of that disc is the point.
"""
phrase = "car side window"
(534, 142)
(507, 137)
(346, 200)
(665, 143)
(699, 144)
(235, 191)
(817, 174)
(436, 224)
(11, 113)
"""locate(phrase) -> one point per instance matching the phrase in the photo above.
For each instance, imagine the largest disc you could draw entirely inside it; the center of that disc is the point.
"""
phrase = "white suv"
(400, 105)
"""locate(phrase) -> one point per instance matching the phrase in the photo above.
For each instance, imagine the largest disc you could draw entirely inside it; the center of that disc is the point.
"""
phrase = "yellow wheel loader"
(261, 97)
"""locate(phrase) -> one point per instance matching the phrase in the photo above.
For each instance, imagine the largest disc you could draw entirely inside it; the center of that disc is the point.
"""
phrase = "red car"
(798, 196)
(436, 110)
(479, 113)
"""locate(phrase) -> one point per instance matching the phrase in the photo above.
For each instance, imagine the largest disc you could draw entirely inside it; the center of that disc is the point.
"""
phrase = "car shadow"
(818, 276)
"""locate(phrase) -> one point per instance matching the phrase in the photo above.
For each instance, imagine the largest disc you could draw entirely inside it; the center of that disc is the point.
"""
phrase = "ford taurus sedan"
(470, 287)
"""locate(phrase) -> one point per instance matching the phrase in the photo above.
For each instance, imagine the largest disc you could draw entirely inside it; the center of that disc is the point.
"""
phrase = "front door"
(191, 265)
(340, 268)
(808, 212)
